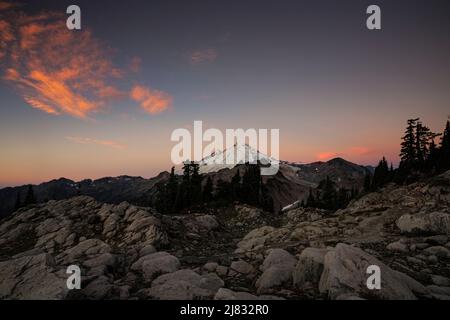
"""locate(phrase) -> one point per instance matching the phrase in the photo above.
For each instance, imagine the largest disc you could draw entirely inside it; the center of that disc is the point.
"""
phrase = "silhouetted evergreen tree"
(195, 184)
(421, 144)
(432, 161)
(408, 153)
(172, 190)
(162, 198)
(381, 175)
(328, 198)
(444, 150)
(185, 187)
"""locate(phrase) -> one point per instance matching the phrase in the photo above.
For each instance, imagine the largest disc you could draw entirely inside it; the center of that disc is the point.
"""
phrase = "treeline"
(421, 156)
(328, 196)
(191, 191)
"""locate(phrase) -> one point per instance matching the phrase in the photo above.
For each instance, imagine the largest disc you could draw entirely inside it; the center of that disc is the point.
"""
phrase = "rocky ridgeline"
(129, 252)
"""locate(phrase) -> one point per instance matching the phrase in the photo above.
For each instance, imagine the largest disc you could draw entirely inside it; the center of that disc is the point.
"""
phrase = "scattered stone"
(210, 266)
(398, 246)
(440, 281)
(227, 294)
(242, 267)
(149, 249)
(185, 285)
(439, 251)
(157, 264)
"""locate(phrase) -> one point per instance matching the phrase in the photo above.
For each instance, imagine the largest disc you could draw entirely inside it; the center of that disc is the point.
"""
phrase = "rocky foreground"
(130, 252)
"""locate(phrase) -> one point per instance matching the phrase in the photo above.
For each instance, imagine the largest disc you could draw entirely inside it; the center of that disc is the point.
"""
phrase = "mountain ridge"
(290, 184)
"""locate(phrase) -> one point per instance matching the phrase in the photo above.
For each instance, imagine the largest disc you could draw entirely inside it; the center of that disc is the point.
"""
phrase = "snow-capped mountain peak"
(228, 158)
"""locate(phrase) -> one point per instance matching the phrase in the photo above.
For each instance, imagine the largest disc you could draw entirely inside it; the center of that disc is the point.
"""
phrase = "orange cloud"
(59, 71)
(200, 56)
(106, 143)
(324, 156)
(152, 101)
(56, 70)
(40, 105)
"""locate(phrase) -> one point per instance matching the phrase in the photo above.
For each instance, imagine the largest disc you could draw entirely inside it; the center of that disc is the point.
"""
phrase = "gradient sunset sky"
(103, 101)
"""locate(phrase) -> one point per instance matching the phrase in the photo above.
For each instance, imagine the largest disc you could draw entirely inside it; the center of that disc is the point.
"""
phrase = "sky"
(104, 100)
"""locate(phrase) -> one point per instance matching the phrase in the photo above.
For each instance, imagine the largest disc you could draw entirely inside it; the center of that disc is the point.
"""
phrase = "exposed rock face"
(429, 223)
(277, 269)
(309, 268)
(345, 272)
(185, 285)
(31, 277)
(130, 252)
(114, 246)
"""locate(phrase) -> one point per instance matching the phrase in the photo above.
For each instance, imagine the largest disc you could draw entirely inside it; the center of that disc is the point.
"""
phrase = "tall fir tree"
(408, 154)
(381, 175)
(172, 190)
(328, 198)
(184, 191)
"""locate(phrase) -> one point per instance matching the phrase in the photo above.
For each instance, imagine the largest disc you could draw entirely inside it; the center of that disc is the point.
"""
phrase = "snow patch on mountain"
(229, 158)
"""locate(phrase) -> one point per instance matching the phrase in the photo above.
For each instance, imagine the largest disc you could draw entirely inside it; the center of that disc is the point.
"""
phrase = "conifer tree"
(196, 184)
(408, 154)
(328, 199)
(184, 191)
(381, 174)
(444, 150)
(172, 189)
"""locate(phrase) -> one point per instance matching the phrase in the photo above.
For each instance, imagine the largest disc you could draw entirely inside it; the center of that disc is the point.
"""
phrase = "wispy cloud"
(106, 143)
(151, 100)
(59, 71)
(201, 56)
